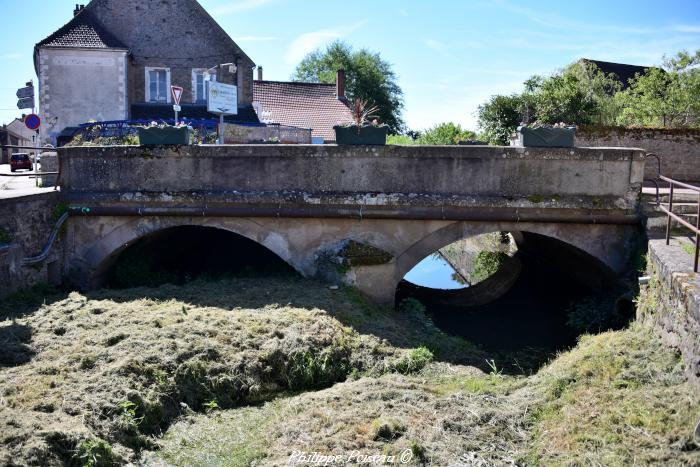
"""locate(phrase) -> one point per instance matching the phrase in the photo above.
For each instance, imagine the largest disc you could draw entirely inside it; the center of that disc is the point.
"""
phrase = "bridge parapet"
(423, 182)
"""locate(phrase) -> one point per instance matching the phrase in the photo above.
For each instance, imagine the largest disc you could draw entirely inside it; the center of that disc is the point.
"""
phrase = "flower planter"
(546, 137)
(366, 134)
(167, 135)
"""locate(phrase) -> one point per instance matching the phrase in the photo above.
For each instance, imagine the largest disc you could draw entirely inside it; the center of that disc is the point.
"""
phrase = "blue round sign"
(32, 121)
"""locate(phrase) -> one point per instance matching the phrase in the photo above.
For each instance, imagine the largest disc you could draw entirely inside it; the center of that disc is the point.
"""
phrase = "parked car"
(20, 160)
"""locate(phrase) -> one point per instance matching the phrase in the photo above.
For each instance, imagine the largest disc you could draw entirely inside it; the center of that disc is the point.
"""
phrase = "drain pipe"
(335, 212)
(47, 248)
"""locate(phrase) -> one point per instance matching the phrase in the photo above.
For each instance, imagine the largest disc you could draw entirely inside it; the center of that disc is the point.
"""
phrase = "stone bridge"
(308, 203)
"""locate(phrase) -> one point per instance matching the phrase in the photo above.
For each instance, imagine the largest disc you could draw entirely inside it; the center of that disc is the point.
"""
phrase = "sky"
(449, 55)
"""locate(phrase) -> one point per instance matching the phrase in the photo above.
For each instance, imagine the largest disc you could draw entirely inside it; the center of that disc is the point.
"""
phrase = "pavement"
(14, 186)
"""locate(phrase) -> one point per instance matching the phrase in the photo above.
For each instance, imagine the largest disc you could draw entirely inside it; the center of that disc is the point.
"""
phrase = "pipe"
(336, 212)
(47, 248)
(363, 212)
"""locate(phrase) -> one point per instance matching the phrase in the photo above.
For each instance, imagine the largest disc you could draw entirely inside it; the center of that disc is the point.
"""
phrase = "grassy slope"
(231, 359)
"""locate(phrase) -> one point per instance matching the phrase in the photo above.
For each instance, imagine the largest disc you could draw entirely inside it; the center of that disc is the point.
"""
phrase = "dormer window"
(157, 85)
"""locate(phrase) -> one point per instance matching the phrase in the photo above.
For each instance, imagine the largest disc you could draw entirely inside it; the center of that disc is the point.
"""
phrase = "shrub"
(95, 452)
(413, 362)
(487, 264)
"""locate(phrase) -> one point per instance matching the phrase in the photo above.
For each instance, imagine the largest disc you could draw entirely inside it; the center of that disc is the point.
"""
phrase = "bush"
(487, 263)
(413, 362)
(445, 133)
(95, 452)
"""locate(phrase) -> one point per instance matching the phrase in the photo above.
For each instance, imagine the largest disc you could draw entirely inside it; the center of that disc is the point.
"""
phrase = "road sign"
(222, 98)
(32, 121)
(176, 91)
(26, 103)
(27, 92)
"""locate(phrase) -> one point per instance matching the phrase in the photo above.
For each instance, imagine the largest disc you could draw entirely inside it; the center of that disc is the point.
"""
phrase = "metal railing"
(669, 208)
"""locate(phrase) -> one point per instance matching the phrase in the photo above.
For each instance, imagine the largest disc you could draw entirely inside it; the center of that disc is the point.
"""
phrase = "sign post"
(176, 91)
(222, 99)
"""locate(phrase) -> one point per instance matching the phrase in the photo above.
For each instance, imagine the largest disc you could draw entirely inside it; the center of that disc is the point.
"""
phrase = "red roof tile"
(302, 105)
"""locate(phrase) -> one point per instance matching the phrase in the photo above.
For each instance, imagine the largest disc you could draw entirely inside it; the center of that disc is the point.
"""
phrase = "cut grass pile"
(102, 375)
(243, 371)
(618, 398)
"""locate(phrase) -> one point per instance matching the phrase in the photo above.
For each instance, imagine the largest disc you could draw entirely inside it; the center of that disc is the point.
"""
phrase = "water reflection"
(436, 273)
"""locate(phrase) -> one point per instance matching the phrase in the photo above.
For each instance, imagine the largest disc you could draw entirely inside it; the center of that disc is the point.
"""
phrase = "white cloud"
(310, 41)
(403, 12)
(691, 28)
(237, 7)
(256, 38)
(11, 56)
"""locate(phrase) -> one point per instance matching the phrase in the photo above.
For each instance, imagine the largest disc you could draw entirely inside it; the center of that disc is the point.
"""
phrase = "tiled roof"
(302, 105)
(84, 30)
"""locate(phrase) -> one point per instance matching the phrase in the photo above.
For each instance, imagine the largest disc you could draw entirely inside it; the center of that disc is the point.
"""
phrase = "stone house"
(116, 60)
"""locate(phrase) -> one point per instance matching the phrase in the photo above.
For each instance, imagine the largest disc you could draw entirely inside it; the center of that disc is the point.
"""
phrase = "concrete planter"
(168, 135)
(365, 134)
(546, 137)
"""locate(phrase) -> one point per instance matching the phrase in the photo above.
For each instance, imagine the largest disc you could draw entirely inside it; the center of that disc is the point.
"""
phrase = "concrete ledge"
(676, 307)
(312, 170)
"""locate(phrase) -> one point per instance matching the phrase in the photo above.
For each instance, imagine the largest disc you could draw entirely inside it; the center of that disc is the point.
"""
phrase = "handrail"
(673, 216)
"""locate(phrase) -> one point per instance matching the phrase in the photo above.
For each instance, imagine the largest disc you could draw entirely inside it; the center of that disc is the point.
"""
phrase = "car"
(20, 160)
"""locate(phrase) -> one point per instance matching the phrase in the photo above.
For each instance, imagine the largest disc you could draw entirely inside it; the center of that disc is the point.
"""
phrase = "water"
(434, 272)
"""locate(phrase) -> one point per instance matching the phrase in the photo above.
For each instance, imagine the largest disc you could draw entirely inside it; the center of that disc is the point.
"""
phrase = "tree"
(668, 97)
(500, 116)
(445, 133)
(367, 76)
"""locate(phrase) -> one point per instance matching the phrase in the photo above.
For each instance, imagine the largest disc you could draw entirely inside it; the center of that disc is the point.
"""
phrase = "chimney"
(260, 73)
(78, 9)
(340, 84)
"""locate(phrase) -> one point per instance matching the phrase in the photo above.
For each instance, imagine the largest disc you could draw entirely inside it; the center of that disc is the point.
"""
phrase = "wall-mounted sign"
(32, 121)
(26, 92)
(26, 103)
(222, 98)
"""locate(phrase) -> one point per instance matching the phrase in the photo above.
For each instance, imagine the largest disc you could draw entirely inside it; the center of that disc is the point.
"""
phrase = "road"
(11, 187)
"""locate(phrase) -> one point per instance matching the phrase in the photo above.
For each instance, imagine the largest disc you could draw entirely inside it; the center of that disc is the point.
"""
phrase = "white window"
(198, 86)
(157, 85)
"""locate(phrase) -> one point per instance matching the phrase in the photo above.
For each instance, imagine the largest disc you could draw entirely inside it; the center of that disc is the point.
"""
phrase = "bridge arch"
(589, 243)
(96, 258)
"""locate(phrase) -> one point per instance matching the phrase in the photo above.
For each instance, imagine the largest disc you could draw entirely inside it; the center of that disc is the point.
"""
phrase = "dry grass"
(242, 371)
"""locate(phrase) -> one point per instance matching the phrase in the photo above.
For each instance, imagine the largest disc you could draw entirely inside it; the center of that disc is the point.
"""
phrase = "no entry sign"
(32, 121)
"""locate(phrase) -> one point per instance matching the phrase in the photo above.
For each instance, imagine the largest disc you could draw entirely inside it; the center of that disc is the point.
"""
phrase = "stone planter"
(546, 137)
(365, 134)
(160, 136)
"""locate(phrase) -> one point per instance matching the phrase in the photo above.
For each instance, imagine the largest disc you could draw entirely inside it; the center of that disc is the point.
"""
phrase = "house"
(304, 105)
(116, 60)
(623, 71)
(15, 133)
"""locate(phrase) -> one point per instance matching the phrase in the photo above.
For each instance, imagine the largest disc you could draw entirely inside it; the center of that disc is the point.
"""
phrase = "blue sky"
(450, 56)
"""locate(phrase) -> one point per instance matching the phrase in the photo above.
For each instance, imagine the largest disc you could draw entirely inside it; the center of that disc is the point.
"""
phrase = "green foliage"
(367, 77)
(487, 264)
(445, 133)
(95, 452)
(413, 362)
(499, 117)
(59, 210)
(578, 94)
(400, 140)
(668, 97)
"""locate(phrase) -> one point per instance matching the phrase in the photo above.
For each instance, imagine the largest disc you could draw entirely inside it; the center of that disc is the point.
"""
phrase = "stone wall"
(671, 301)
(175, 34)
(26, 223)
(679, 149)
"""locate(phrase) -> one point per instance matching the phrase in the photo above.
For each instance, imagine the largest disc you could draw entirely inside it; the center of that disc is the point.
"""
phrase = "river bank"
(245, 369)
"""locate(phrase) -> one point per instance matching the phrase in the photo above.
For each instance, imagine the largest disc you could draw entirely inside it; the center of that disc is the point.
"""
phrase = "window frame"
(148, 70)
